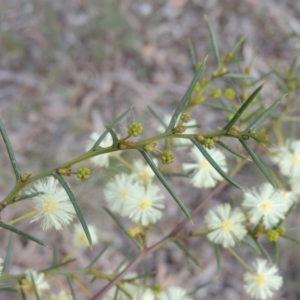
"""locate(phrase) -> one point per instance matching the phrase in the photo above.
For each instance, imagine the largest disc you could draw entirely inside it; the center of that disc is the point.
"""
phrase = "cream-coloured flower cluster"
(34, 282)
(135, 195)
(287, 158)
(137, 292)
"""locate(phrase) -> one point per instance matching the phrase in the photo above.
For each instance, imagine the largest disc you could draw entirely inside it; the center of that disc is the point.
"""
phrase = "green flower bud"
(149, 147)
(126, 144)
(197, 87)
(230, 94)
(66, 172)
(167, 157)
(185, 118)
(200, 138)
(209, 143)
(247, 70)
(291, 86)
(157, 288)
(272, 235)
(216, 92)
(83, 173)
(179, 129)
(26, 176)
(245, 137)
(281, 231)
(204, 81)
(135, 129)
(228, 57)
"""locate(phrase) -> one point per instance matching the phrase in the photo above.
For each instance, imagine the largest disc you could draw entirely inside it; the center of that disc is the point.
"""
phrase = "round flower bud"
(179, 129)
(230, 94)
(66, 172)
(272, 235)
(157, 288)
(167, 157)
(209, 143)
(26, 176)
(126, 144)
(216, 92)
(228, 57)
(197, 87)
(149, 147)
(200, 138)
(135, 129)
(83, 173)
(185, 117)
(281, 231)
(247, 70)
(204, 81)
(223, 70)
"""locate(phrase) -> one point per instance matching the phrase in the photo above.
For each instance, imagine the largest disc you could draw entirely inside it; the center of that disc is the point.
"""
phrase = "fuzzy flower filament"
(225, 225)
(145, 205)
(265, 280)
(53, 204)
(265, 204)
(204, 175)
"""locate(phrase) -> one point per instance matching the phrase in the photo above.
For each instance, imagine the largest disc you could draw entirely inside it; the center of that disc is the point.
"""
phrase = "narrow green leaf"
(192, 55)
(98, 256)
(232, 151)
(291, 239)
(23, 295)
(251, 246)
(171, 174)
(10, 152)
(214, 164)
(237, 75)
(220, 107)
(71, 287)
(188, 254)
(21, 233)
(294, 63)
(8, 287)
(29, 196)
(242, 108)
(264, 114)
(112, 125)
(54, 255)
(258, 138)
(56, 266)
(261, 78)
(185, 98)
(238, 44)
(76, 206)
(113, 136)
(37, 296)
(213, 41)
(156, 115)
(137, 244)
(8, 253)
(258, 162)
(262, 250)
(165, 183)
